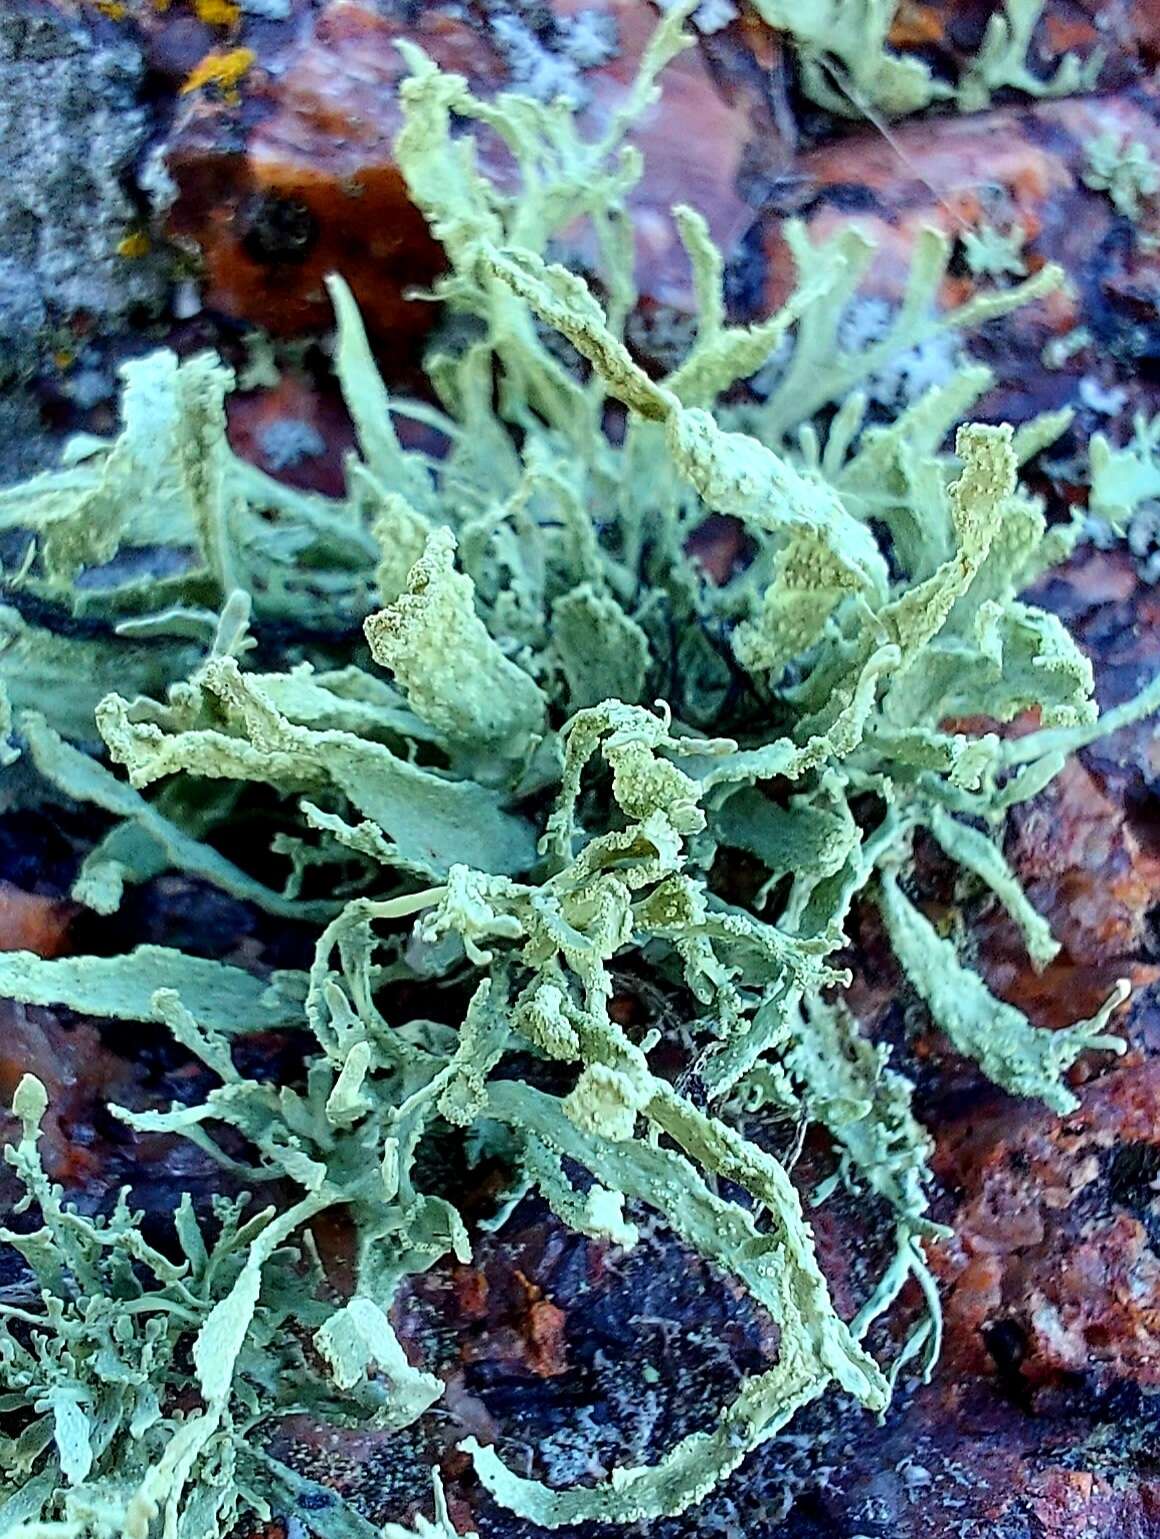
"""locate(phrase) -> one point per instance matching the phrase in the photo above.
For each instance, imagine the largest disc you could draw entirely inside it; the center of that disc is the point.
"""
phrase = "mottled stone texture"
(1041, 1420)
(71, 124)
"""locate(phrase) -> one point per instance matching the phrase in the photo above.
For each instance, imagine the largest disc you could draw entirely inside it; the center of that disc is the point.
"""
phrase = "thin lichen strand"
(506, 829)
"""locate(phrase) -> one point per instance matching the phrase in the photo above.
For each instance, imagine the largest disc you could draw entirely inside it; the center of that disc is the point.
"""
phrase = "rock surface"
(75, 261)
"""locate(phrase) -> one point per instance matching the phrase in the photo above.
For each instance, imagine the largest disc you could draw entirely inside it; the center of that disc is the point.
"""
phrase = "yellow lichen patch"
(216, 13)
(134, 245)
(223, 69)
(113, 9)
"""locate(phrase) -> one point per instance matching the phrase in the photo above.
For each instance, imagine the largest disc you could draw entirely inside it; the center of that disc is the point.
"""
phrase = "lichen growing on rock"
(849, 66)
(535, 776)
(1124, 170)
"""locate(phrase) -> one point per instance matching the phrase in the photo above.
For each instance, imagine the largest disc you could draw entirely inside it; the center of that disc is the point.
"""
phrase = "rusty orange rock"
(31, 922)
(299, 179)
(303, 183)
(915, 25)
(1054, 1235)
(545, 1335)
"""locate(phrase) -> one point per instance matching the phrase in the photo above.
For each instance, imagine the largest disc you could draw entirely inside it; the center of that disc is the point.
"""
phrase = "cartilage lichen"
(992, 254)
(1123, 169)
(525, 786)
(849, 66)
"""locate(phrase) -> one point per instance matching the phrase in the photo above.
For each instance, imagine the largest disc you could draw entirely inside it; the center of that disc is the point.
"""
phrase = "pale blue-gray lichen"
(524, 786)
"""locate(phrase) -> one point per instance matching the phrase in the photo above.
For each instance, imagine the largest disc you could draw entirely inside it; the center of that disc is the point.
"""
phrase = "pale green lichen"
(509, 820)
(1057, 352)
(992, 254)
(430, 638)
(846, 63)
(1124, 169)
(1125, 480)
(849, 66)
(1001, 62)
(99, 1357)
(1014, 1054)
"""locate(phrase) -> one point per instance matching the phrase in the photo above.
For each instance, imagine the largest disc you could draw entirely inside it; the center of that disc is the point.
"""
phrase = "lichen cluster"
(849, 67)
(526, 780)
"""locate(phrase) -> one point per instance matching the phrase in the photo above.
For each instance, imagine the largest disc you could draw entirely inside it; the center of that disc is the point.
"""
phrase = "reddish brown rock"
(1070, 1503)
(78, 1070)
(503, 1310)
(301, 182)
(1085, 868)
(297, 430)
(1054, 1236)
(298, 178)
(30, 921)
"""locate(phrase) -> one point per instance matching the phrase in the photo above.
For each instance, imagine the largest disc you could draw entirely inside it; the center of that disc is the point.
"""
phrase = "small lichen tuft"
(1124, 169)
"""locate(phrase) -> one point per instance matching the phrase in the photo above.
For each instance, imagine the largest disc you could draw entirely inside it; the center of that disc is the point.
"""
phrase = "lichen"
(222, 68)
(849, 66)
(515, 818)
(992, 254)
(217, 13)
(1124, 169)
